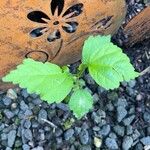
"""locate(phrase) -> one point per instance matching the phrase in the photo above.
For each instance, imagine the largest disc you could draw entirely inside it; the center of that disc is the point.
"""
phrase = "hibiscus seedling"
(106, 63)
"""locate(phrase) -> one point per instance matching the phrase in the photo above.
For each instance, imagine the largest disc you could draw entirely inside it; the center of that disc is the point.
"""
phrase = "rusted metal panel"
(138, 28)
(53, 30)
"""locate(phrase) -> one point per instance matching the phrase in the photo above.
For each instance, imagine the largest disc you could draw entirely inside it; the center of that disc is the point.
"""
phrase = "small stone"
(13, 106)
(11, 94)
(8, 114)
(24, 93)
(58, 132)
(68, 134)
(42, 115)
(96, 128)
(121, 113)
(2, 126)
(111, 143)
(28, 134)
(132, 83)
(96, 98)
(97, 119)
(84, 137)
(23, 106)
(97, 142)
(110, 107)
(4, 136)
(11, 138)
(8, 148)
(128, 121)
(105, 130)
(146, 117)
(127, 143)
(113, 135)
(139, 97)
(122, 102)
(139, 146)
(145, 140)
(77, 130)
(63, 106)
(119, 130)
(129, 130)
(38, 148)
(85, 147)
(37, 101)
(112, 96)
(18, 143)
(26, 147)
(136, 135)
(7, 101)
(27, 124)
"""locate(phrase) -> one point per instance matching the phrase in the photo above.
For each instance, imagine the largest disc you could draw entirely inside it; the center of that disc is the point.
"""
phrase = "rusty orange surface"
(53, 30)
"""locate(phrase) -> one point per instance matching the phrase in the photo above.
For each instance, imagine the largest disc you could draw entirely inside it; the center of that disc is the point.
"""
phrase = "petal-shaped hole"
(38, 32)
(38, 16)
(70, 27)
(53, 36)
(74, 11)
(57, 4)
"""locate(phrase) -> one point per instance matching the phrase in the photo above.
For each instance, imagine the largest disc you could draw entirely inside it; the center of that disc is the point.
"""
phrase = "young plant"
(106, 63)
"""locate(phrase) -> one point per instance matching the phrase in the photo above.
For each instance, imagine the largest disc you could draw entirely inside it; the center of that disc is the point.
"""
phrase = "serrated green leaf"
(47, 79)
(106, 62)
(81, 102)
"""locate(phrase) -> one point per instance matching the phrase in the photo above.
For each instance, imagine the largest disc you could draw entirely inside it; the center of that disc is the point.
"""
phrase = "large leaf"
(106, 62)
(47, 79)
(80, 102)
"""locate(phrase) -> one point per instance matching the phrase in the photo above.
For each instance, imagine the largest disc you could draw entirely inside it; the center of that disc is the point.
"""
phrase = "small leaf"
(106, 62)
(80, 102)
(47, 79)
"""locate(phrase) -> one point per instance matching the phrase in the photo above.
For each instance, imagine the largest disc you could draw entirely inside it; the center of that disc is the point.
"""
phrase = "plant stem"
(81, 70)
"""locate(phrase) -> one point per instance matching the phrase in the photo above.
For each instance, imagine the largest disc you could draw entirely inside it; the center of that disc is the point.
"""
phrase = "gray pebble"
(105, 130)
(111, 143)
(146, 117)
(119, 130)
(28, 134)
(42, 115)
(129, 130)
(113, 135)
(128, 121)
(11, 138)
(37, 101)
(85, 147)
(2, 126)
(7, 101)
(8, 148)
(77, 130)
(26, 147)
(38, 148)
(8, 114)
(84, 137)
(122, 102)
(23, 106)
(68, 134)
(136, 135)
(139, 146)
(110, 107)
(127, 143)
(63, 106)
(132, 83)
(121, 113)
(4, 136)
(11, 94)
(27, 124)
(24, 93)
(146, 140)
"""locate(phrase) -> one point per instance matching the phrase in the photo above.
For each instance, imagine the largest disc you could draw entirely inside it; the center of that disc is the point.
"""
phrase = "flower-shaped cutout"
(57, 21)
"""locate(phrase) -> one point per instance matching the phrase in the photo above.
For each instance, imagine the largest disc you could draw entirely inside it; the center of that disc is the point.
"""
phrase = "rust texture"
(138, 28)
(53, 30)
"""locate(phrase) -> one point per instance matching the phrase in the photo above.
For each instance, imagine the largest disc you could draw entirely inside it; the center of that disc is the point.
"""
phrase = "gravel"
(111, 143)
(145, 140)
(11, 138)
(121, 113)
(120, 118)
(127, 143)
